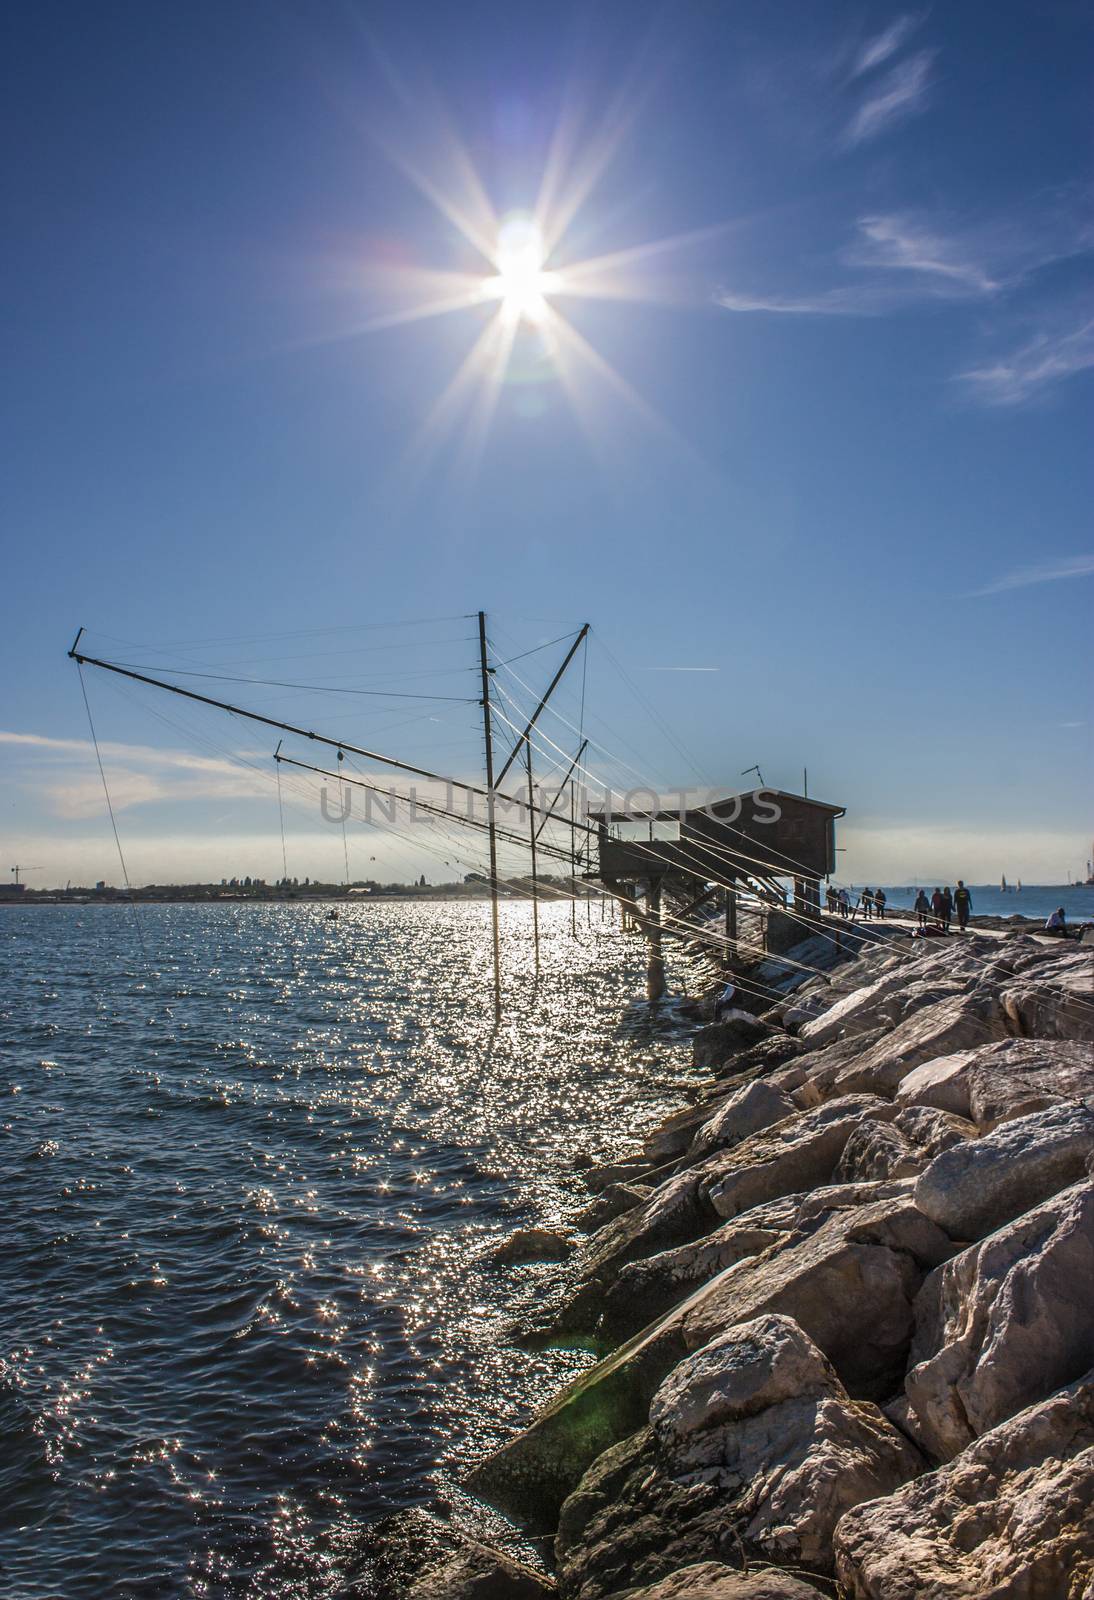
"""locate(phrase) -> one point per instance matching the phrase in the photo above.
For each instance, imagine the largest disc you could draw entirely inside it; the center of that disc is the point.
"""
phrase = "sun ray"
(482, 368)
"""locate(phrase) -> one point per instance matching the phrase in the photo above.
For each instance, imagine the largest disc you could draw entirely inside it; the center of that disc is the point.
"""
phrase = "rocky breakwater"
(843, 1308)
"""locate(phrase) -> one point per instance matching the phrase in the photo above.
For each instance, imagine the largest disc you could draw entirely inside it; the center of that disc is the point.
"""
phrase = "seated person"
(1057, 923)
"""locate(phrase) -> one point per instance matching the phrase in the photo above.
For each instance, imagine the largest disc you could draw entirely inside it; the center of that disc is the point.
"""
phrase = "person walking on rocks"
(922, 907)
(962, 902)
(866, 901)
(947, 909)
(879, 904)
(937, 906)
(844, 903)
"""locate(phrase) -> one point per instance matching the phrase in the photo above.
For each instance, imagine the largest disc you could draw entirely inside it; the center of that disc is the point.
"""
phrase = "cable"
(113, 819)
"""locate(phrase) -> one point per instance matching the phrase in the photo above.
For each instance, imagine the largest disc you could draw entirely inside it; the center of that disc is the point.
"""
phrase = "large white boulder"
(755, 1107)
(981, 1183)
(753, 1448)
(1012, 1517)
(794, 1155)
(1004, 1323)
(1000, 1081)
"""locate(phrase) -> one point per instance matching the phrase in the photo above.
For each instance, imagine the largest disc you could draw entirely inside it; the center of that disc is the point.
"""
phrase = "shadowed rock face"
(978, 1185)
(1004, 1323)
(878, 1152)
(1012, 1516)
(753, 1450)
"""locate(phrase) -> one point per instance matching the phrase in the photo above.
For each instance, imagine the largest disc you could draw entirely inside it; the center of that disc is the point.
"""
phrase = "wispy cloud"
(877, 50)
(1047, 359)
(831, 303)
(900, 243)
(902, 93)
(1045, 572)
(63, 774)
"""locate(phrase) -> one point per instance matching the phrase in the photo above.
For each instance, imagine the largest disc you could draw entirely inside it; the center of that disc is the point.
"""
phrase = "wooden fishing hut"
(665, 866)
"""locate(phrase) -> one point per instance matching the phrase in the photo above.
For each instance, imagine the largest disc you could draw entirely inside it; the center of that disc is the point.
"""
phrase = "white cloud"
(885, 44)
(1047, 359)
(63, 774)
(830, 303)
(904, 92)
(1045, 572)
(901, 244)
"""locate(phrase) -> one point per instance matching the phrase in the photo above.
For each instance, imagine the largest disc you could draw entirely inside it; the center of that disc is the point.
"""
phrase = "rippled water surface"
(250, 1167)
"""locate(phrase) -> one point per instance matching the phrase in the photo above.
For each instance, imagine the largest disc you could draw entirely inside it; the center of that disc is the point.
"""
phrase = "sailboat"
(1003, 884)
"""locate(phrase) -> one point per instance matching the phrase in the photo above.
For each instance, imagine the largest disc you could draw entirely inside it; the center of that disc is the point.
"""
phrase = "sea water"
(252, 1164)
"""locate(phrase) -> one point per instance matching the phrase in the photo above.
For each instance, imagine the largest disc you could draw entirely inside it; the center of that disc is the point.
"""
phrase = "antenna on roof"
(756, 770)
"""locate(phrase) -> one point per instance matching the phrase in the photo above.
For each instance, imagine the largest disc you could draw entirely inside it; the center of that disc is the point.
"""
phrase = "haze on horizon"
(761, 338)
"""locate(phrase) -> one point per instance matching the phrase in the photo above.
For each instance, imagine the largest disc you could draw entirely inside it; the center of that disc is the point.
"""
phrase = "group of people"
(838, 902)
(943, 905)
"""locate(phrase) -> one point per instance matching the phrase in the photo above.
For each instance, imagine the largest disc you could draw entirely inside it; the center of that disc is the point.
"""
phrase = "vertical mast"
(488, 732)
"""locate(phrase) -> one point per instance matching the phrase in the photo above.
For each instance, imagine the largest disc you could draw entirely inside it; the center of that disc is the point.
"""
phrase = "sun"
(522, 282)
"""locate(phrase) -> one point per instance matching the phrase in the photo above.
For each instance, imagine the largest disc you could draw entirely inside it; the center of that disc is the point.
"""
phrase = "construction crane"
(20, 868)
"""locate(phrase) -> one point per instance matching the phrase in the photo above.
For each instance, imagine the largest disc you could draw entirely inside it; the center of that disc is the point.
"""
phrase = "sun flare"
(521, 283)
(528, 281)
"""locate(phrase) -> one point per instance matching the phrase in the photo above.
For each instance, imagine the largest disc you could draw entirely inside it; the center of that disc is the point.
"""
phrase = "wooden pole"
(489, 735)
(655, 969)
(573, 861)
(532, 843)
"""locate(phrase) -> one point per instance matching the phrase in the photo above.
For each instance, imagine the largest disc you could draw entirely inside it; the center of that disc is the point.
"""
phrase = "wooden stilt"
(491, 823)
(532, 843)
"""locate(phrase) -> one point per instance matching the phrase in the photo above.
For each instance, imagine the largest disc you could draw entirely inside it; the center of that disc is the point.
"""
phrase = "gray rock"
(794, 1155)
(976, 1186)
(956, 1023)
(713, 1046)
(883, 1003)
(1011, 1517)
(878, 1152)
(533, 1244)
(479, 1573)
(710, 1580)
(1001, 1081)
(1004, 1323)
(1060, 1005)
(819, 1204)
(751, 1109)
(612, 1202)
(753, 1451)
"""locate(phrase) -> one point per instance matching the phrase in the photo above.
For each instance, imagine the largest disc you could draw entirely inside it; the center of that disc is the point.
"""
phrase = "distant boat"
(1018, 889)
(1003, 884)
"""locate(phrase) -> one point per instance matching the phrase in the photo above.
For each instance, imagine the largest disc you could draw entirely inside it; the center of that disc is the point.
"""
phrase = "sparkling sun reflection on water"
(248, 1192)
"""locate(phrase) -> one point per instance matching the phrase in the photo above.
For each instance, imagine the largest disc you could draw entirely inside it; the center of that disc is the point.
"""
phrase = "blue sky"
(830, 445)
